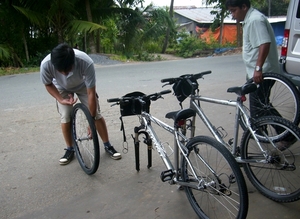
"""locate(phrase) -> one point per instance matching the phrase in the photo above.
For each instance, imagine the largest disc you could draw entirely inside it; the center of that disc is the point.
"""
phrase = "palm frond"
(84, 26)
(32, 16)
(4, 52)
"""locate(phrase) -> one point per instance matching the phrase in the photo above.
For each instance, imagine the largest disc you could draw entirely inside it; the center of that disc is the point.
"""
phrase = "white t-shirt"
(256, 31)
(82, 74)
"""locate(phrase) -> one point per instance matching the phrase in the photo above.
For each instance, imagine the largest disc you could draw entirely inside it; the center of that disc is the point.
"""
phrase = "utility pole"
(269, 9)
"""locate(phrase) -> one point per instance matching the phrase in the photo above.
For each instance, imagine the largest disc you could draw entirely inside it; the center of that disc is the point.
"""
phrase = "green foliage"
(36, 59)
(188, 45)
(153, 46)
(4, 52)
(12, 71)
(31, 28)
(145, 56)
(275, 8)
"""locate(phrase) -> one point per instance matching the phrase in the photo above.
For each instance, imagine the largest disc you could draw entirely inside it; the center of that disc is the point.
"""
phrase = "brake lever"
(166, 84)
(118, 103)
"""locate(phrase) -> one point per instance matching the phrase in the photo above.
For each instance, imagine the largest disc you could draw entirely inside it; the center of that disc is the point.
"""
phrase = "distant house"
(192, 17)
(197, 21)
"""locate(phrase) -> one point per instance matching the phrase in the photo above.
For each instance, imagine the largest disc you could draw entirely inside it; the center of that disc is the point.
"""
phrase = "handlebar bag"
(133, 107)
(184, 88)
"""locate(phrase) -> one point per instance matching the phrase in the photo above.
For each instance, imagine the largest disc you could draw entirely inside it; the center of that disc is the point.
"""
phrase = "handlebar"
(170, 81)
(151, 97)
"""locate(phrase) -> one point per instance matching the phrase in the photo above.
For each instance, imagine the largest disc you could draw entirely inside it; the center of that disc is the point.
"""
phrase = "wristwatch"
(258, 68)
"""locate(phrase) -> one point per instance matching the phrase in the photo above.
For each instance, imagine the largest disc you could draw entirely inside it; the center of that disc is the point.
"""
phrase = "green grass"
(13, 71)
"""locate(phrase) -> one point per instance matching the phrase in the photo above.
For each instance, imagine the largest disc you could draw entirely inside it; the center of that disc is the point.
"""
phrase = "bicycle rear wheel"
(284, 99)
(274, 170)
(221, 189)
(85, 138)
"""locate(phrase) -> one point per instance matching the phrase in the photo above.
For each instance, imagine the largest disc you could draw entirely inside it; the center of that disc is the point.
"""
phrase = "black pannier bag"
(130, 108)
(185, 87)
(133, 107)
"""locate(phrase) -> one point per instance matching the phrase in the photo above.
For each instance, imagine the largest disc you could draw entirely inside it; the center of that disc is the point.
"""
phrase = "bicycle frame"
(179, 146)
(240, 111)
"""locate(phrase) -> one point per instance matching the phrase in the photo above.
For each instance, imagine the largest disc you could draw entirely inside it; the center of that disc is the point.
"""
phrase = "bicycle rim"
(222, 190)
(276, 172)
(85, 139)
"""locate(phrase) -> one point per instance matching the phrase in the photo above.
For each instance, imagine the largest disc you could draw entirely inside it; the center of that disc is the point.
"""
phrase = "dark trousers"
(260, 105)
(260, 101)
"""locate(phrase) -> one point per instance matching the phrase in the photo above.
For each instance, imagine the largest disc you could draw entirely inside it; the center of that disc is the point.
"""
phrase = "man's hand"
(257, 77)
(69, 101)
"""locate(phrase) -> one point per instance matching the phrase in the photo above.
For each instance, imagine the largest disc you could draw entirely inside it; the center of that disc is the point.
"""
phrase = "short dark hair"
(237, 3)
(63, 57)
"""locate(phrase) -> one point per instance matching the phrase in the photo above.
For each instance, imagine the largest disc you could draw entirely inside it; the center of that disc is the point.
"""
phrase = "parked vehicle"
(290, 51)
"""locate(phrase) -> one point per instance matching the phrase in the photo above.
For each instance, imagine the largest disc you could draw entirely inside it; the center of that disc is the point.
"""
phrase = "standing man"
(65, 72)
(260, 52)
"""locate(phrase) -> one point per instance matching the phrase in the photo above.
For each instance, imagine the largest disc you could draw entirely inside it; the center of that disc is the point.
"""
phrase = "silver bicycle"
(269, 149)
(212, 180)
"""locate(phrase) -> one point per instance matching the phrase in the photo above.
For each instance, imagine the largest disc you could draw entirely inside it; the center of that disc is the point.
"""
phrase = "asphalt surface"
(34, 185)
(103, 60)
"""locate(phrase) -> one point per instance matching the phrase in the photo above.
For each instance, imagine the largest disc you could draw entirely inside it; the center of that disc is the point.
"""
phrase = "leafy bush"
(145, 56)
(190, 45)
(36, 60)
(152, 47)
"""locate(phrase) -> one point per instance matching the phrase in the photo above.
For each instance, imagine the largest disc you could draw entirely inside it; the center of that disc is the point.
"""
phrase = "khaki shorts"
(65, 111)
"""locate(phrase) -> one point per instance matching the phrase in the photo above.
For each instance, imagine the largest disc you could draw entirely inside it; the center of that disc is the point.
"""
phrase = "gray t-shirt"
(82, 74)
(256, 31)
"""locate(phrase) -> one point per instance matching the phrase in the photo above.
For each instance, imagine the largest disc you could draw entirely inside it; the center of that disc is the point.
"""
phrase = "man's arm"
(52, 90)
(92, 100)
(262, 55)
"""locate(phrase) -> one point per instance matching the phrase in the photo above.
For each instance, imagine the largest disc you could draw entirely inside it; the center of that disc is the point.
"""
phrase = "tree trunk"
(221, 29)
(25, 46)
(239, 35)
(168, 30)
(98, 41)
(91, 40)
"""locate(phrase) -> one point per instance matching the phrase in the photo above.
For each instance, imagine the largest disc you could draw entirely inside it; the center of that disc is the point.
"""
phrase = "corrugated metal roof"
(203, 15)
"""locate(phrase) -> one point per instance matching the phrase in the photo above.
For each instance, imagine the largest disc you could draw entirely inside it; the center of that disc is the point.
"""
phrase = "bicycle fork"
(151, 140)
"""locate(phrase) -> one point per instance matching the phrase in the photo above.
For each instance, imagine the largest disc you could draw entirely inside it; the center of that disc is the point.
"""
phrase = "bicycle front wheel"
(85, 138)
(282, 98)
(274, 168)
(218, 188)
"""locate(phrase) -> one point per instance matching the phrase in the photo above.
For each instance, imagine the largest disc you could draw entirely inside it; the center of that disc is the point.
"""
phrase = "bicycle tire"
(274, 174)
(284, 97)
(85, 139)
(211, 200)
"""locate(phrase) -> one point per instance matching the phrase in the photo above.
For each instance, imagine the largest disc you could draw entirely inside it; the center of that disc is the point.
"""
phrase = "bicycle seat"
(245, 89)
(181, 114)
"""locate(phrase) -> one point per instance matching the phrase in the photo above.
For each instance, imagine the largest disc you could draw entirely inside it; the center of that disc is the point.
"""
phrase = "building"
(197, 21)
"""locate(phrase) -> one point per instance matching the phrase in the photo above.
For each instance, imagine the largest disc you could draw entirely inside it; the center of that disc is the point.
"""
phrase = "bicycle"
(268, 163)
(86, 143)
(212, 180)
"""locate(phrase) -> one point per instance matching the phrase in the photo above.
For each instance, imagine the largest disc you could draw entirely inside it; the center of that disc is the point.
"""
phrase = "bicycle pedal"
(166, 175)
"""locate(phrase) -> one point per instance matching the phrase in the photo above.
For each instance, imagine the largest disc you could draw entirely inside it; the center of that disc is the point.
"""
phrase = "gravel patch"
(100, 59)
(103, 60)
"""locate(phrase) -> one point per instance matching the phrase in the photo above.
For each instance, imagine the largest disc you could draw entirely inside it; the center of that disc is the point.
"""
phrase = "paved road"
(34, 185)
